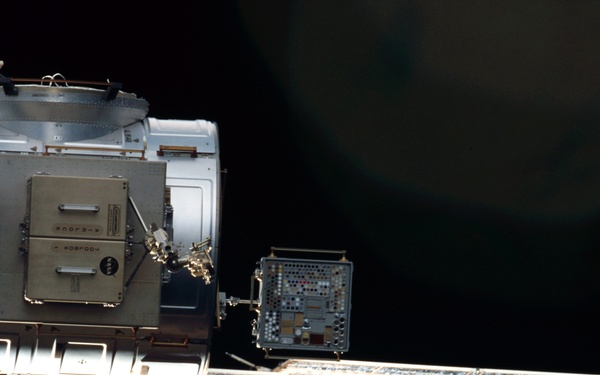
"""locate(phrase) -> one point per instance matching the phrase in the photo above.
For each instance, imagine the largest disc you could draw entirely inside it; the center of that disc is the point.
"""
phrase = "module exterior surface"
(84, 175)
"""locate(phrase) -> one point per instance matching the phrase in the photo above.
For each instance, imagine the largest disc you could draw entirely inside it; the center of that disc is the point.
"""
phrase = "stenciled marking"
(76, 229)
(69, 247)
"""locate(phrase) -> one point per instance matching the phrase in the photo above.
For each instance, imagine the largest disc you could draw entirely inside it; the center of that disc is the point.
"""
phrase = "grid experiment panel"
(305, 304)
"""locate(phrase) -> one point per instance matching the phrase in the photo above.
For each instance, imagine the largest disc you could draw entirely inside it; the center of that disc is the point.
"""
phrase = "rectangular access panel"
(68, 270)
(77, 232)
(77, 207)
(305, 304)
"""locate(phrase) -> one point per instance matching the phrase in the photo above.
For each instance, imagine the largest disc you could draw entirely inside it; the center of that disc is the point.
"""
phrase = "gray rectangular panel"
(141, 277)
(78, 207)
(69, 270)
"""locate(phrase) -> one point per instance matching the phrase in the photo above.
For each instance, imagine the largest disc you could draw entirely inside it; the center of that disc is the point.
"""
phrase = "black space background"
(449, 147)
